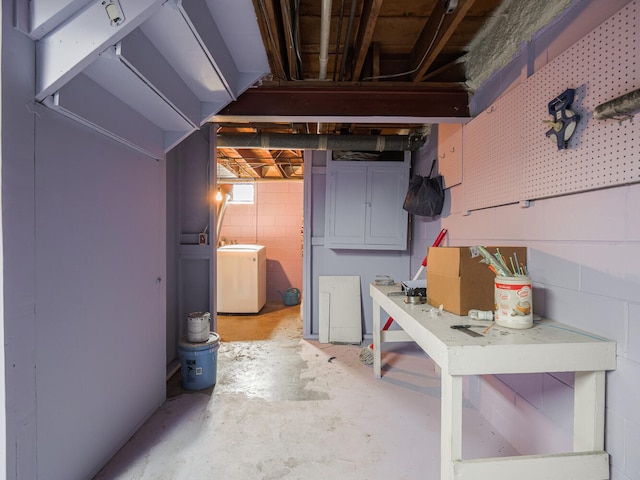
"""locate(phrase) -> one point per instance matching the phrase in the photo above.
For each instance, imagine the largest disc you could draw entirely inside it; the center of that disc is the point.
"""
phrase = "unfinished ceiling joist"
(442, 24)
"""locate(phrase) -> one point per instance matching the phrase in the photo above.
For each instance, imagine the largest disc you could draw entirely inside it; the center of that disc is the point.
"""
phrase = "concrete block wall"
(586, 272)
(583, 259)
(274, 220)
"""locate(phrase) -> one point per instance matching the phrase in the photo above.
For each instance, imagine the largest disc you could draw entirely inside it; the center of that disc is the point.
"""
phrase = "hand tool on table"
(467, 329)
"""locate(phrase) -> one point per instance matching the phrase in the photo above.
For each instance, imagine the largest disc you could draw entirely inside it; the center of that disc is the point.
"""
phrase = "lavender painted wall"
(3, 416)
(83, 224)
(18, 217)
(325, 261)
(190, 286)
(100, 313)
(584, 264)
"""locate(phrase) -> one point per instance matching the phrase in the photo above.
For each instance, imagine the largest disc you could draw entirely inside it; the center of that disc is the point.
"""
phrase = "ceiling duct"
(376, 143)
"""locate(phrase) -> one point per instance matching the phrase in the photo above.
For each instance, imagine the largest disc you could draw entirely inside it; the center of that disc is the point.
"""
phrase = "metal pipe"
(377, 143)
(325, 28)
(620, 108)
(221, 210)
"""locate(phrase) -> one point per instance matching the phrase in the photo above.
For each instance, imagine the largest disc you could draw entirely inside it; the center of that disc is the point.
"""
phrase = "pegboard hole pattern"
(518, 159)
(450, 153)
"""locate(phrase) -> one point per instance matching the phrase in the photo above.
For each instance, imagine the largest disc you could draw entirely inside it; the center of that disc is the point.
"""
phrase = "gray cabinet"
(364, 204)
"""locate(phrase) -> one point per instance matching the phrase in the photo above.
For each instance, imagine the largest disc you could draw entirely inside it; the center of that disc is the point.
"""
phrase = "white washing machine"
(242, 278)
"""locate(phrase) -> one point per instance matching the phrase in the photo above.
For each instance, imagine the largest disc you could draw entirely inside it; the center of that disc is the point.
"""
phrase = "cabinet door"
(386, 221)
(346, 206)
(364, 205)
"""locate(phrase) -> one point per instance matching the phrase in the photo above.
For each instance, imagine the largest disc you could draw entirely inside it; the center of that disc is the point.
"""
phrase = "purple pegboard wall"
(508, 158)
(493, 154)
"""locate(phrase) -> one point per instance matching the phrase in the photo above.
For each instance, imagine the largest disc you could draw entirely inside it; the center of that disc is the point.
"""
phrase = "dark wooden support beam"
(288, 19)
(368, 21)
(375, 61)
(362, 99)
(445, 68)
(270, 31)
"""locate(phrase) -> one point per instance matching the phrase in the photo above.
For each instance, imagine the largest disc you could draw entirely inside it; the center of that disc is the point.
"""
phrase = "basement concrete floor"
(288, 408)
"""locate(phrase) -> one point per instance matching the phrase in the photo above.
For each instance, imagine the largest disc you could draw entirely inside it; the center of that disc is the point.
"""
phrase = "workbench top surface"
(547, 346)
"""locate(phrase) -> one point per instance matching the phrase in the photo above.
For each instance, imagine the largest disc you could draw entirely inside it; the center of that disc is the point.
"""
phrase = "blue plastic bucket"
(198, 362)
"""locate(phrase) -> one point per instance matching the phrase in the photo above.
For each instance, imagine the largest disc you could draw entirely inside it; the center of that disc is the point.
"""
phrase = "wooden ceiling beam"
(435, 35)
(260, 161)
(376, 61)
(444, 68)
(270, 30)
(288, 27)
(367, 99)
(232, 160)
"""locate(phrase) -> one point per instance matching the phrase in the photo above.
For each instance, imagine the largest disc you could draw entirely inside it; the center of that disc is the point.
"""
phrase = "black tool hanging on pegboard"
(564, 120)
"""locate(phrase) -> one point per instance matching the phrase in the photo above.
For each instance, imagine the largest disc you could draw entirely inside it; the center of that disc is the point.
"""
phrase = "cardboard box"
(461, 283)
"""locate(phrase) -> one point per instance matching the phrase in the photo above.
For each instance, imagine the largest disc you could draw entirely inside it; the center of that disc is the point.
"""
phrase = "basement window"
(242, 193)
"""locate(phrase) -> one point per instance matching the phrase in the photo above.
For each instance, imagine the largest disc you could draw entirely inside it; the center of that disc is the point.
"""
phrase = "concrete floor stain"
(255, 350)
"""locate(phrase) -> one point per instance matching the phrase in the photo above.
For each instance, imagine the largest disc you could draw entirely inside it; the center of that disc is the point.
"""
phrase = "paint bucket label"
(514, 302)
(198, 327)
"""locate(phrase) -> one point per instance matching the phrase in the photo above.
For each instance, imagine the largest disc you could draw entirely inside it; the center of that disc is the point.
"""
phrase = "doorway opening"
(275, 220)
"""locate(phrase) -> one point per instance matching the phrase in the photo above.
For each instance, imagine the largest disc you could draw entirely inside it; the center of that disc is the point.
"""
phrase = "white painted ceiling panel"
(167, 62)
(116, 78)
(139, 54)
(185, 54)
(45, 15)
(236, 21)
(72, 46)
(115, 119)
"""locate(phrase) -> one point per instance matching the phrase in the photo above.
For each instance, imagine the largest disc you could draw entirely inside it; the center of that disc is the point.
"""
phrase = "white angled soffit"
(202, 56)
(79, 98)
(154, 78)
(79, 39)
(142, 57)
(233, 37)
(43, 16)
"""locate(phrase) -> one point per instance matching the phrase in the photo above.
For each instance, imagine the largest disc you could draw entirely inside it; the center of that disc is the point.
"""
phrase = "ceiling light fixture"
(114, 12)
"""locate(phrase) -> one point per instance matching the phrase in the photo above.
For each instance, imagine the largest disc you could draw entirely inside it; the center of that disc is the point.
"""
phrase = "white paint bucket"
(514, 302)
(198, 327)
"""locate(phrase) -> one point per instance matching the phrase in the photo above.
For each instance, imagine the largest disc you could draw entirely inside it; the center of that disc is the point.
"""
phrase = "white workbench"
(547, 347)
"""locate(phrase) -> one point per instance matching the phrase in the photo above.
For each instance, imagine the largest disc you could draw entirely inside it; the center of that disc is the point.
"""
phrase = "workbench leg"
(376, 340)
(450, 424)
(588, 411)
